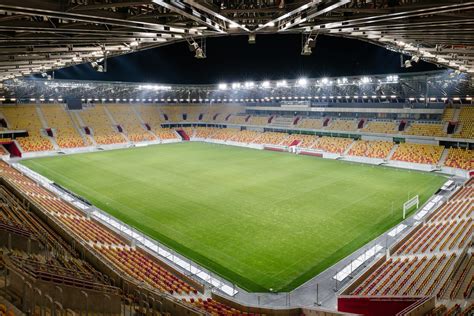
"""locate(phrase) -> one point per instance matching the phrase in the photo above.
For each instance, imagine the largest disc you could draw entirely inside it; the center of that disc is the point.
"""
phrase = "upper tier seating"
(371, 149)
(332, 144)
(382, 127)
(103, 130)
(237, 119)
(125, 116)
(173, 113)
(342, 125)
(311, 123)
(258, 120)
(418, 153)
(466, 119)
(448, 114)
(25, 117)
(460, 158)
(426, 129)
(66, 134)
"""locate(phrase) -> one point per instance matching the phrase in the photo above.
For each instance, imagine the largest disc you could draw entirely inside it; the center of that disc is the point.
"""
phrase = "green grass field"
(264, 220)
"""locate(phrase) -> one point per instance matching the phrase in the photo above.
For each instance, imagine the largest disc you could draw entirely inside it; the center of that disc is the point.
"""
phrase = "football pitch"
(264, 220)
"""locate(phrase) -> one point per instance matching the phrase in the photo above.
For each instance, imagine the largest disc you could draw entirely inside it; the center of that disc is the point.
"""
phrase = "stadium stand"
(224, 134)
(426, 129)
(466, 119)
(371, 149)
(418, 153)
(25, 117)
(271, 138)
(460, 158)
(246, 136)
(424, 264)
(66, 134)
(238, 119)
(125, 116)
(102, 127)
(258, 120)
(381, 127)
(332, 144)
(204, 132)
(311, 123)
(300, 140)
(342, 125)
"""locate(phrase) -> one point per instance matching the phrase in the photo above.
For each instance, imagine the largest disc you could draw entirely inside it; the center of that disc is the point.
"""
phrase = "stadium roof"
(42, 35)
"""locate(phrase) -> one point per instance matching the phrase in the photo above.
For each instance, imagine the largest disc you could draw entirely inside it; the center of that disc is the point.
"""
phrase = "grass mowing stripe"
(260, 219)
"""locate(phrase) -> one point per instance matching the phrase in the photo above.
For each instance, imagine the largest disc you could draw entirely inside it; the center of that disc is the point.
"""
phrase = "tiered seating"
(271, 138)
(426, 129)
(332, 144)
(342, 125)
(418, 153)
(125, 116)
(104, 132)
(466, 119)
(453, 209)
(174, 113)
(304, 141)
(224, 134)
(408, 276)
(237, 119)
(222, 112)
(246, 136)
(311, 123)
(460, 158)
(26, 118)
(371, 149)
(381, 127)
(66, 134)
(258, 120)
(166, 134)
(215, 308)
(91, 231)
(448, 114)
(204, 132)
(139, 266)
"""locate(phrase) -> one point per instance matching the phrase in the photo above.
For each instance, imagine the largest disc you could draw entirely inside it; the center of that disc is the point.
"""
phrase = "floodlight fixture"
(266, 84)
(302, 82)
(282, 83)
(222, 86)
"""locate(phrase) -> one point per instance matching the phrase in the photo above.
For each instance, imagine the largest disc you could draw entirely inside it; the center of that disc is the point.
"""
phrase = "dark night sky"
(231, 59)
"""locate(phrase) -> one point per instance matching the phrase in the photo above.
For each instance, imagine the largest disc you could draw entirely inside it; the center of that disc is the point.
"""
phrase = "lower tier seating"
(371, 149)
(418, 153)
(460, 158)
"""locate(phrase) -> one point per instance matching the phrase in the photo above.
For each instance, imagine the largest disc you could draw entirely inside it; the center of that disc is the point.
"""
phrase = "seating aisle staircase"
(348, 148)
(184, 136)
(143, 122)
(45, 126)
(442, 160)
(390, 154)
(75, 124)
(76, 118)
(116, 126)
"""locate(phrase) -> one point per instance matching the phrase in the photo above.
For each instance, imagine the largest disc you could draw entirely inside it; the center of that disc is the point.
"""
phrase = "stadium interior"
(89, 228)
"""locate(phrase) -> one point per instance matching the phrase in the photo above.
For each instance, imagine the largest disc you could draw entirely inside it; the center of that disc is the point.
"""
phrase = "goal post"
(414, 201)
